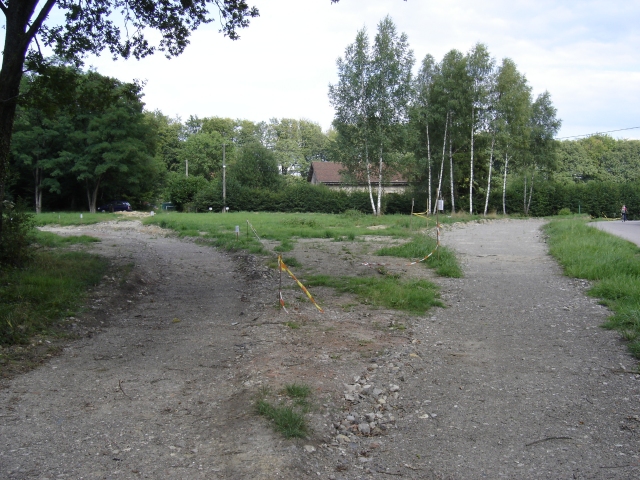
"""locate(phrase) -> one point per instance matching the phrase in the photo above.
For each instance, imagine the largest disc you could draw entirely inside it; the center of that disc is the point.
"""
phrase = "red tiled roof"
(329, 173)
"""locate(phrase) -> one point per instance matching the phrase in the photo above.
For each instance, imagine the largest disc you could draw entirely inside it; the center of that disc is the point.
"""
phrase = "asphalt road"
(628, 230)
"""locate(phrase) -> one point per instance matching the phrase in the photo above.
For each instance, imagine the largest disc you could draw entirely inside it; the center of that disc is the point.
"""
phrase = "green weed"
(611, 262)
(443, 261)
(414, 296)
(288, 415)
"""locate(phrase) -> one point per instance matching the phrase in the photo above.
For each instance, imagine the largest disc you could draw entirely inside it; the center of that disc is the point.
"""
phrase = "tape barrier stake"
(432, 251)
(286, 269)
(280, 281)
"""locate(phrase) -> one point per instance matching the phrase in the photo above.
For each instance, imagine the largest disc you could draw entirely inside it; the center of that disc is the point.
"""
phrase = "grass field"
(613, 264)
(34, 299)
(65, 219)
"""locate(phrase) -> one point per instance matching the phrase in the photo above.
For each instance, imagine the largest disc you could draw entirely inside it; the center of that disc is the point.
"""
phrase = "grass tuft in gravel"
(288, 415)
(443, 261)
(413, 296)
(611, 262)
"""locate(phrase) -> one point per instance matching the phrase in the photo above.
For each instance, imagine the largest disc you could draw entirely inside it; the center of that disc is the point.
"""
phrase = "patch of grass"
(286, 420)
(285, 246)
(73, 218)
(297, 390)
(292, 325)
(288, 415)
(613, 264)
(443, 261)
(414, 296)
(34, 299)
(52, 240)
(291, 262)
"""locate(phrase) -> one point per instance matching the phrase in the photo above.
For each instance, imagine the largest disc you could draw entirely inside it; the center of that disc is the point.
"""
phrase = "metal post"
(411, 217)
(187, 167)
(224, 181)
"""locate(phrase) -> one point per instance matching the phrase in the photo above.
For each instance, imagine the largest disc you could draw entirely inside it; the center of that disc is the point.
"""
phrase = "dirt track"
(514, 379)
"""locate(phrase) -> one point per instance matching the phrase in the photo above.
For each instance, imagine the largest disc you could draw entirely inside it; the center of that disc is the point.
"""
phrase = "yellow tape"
(286, 269)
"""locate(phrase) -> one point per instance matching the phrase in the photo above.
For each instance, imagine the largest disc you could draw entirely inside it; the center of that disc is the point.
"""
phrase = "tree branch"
(37, 23)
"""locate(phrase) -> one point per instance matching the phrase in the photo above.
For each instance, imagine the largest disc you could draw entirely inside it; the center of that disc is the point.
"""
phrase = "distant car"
(115, 206)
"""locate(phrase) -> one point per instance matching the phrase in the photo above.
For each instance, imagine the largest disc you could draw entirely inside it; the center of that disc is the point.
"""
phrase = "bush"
(182, 190)
(564, 211)
(17, 234)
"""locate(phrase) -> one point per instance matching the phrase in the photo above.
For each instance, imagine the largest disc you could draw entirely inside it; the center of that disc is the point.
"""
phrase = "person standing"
(624, 213)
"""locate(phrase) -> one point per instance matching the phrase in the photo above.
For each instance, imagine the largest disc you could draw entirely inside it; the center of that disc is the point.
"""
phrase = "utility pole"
(187, 167)
(224, 181)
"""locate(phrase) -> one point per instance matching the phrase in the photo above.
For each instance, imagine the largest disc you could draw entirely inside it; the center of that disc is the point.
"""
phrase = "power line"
(597, 133)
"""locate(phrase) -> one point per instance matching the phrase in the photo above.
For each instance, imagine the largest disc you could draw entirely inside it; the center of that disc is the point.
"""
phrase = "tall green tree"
(256, 167)
(201, 154)
(42, 125)
(543, 127)
(111, 144)
(371, 101)
(513, 111)
(479, 69)
(423, 115)
(121, 26)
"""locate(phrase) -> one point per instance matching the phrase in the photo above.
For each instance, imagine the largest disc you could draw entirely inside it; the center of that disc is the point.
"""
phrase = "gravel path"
(514, 379)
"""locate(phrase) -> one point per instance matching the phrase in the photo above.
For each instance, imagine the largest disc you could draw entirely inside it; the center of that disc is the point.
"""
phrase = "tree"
(423, 85)
(543, 127)
(479, 68)
(296, 143)
(201, 154)
(256, 167)
(513, 112)
(110, 143)
(91, 27)
(41, 126)
(372, 100)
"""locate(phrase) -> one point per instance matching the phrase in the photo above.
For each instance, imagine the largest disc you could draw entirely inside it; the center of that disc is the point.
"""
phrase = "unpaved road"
(514, 379)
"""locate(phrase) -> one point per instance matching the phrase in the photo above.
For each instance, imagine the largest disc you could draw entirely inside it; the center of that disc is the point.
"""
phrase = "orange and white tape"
(284, 267)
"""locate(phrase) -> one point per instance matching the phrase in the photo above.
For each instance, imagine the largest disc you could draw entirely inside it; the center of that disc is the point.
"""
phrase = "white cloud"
(583, 53)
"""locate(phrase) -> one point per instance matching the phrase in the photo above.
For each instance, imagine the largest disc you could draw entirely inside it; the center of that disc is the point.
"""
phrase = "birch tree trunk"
(504, 185)
(380, 184)
(453, 201)
(524, 201)
(366, 155)
(429, 168)
(530, 194)
(486, 200)
(38, 190)
(444, 149)
(471, 167)
(92, 195)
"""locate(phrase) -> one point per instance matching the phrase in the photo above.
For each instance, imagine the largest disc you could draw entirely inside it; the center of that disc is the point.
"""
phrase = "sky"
(585, 53)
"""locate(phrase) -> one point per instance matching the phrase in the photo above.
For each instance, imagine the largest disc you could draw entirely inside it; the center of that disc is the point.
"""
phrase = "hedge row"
(594, 198)
(549, 198)
(298, 197)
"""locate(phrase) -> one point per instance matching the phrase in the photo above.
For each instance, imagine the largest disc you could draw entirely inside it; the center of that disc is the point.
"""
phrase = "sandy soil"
(514, 379)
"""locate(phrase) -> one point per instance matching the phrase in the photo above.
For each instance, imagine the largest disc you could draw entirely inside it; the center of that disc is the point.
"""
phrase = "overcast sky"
(585, 53)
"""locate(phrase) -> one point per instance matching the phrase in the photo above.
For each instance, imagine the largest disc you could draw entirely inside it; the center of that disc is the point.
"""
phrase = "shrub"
(17, 234)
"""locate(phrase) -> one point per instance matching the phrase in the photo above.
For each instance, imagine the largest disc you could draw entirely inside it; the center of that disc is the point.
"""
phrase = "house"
(330, 174)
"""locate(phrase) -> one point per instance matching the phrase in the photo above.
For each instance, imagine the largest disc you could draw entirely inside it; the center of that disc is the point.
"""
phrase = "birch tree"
(371, 100)
(423, 89)
(479, 68)
(543, 127)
